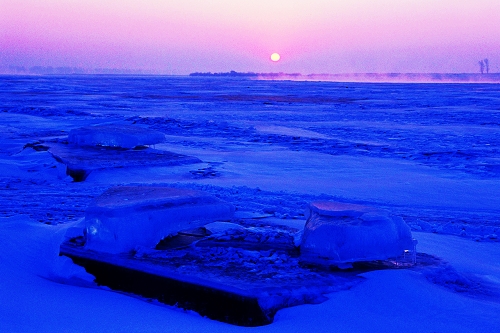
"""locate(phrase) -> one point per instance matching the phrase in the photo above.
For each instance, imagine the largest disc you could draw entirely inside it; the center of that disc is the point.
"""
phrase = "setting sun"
(275, 57)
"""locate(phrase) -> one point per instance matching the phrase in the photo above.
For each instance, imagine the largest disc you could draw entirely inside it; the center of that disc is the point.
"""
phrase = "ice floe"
(81, 161)
(126, 217)
(341, 233)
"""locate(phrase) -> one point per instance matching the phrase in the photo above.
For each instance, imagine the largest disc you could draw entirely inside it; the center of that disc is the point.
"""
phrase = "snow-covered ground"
(425, 152)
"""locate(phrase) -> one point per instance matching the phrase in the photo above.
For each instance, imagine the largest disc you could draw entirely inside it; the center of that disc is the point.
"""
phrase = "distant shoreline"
(493, 78)
(365, 77)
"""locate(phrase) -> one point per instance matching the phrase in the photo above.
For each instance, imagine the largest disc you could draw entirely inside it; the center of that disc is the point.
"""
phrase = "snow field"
(424, 152)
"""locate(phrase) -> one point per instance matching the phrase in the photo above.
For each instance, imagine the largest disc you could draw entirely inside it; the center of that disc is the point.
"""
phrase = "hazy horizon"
(66, 70)
(321, 36)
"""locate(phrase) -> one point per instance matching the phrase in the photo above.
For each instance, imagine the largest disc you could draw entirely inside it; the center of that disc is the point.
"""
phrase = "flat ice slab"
(119, 136)
(81, 161)
(126, 217)
(340, 234)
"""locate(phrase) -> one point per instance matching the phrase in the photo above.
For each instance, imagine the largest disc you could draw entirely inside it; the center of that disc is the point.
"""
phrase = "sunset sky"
(314, 36)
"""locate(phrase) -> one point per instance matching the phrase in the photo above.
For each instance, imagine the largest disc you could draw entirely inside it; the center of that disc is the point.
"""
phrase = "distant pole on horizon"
(481, 66)
(487, 64)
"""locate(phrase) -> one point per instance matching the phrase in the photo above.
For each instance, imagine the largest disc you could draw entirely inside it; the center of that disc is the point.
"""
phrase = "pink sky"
(315, 36)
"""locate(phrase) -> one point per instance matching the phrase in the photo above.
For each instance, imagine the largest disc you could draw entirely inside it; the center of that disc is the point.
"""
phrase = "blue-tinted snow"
(429, 152)
(425, 152)
(118, 136)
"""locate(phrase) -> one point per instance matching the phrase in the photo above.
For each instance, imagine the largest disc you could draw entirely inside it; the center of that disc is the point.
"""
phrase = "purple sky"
(314, 36)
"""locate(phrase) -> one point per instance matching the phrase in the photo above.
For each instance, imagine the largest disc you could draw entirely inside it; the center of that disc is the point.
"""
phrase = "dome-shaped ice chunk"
(340, 233)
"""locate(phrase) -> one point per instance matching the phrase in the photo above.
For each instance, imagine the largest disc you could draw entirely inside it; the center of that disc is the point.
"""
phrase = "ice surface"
(426, 152)
(122, 136)
(340, 233)
(220, 227)
(81, 161)
(124, 218)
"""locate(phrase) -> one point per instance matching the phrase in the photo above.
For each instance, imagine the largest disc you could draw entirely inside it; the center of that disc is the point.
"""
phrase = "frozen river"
(429, 153)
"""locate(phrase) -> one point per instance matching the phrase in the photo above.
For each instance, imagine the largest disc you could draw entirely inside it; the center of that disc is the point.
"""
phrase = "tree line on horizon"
(243, 74)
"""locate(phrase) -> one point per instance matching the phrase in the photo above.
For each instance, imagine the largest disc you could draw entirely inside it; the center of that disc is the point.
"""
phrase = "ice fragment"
(340, 234)
(126, 217)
